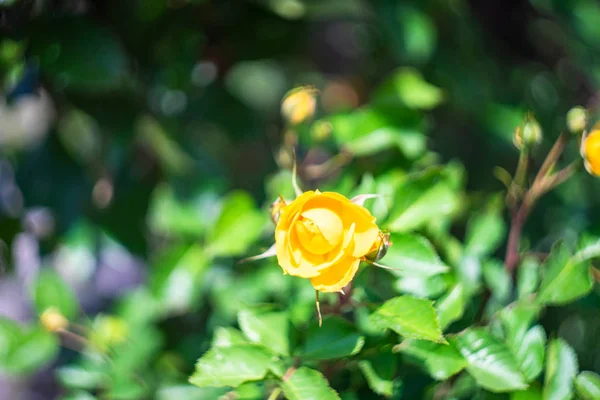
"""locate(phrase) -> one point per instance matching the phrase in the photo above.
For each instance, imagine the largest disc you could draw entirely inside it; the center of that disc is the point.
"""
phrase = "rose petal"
(366, 229)
(329, 223)
(339, 275)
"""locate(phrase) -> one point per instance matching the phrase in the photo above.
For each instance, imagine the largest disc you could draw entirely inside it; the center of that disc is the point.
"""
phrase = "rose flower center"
(319, 230)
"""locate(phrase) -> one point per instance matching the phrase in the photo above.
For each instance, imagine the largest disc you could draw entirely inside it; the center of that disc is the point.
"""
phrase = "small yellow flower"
(324, 237)
(52, 320)
(299, 104)
(590, 151)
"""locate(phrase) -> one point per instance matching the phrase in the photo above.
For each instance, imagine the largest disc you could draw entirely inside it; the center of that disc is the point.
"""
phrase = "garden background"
(142, 143)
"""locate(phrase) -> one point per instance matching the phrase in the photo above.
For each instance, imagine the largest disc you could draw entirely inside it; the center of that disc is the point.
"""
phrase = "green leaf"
(80, 377)
(588, 249)
(433, 286)
(407, 87)
(367, 131)
(442, 361)
(50, 291)
(497, 279)
(409, 142)
(526, 344)
(561, 369)
(25, 349)
(238, 226)
(490, 362)
(528, 277)
(79, 54)
(337, 338)
(270, 329)
(410, 317)
(451, 306)
(227, 337)
(379, 385)
(80, 135)
(189, 392)
(413, 255)
(308, 384)
(422, 199)
(532, 393)
(278, 184)
(469, 273)
(565, 278)
(587, 385)
(517, 318)
(171, 155)
(485, 233)
(78, 395)
(232, 366)
(529, 353)
(171, 216)
(177, 276)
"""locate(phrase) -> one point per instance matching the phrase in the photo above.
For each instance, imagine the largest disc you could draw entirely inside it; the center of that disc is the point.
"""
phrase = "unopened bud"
(577, 119)
(379, 248)
(299, 104)
(276, 208)
(528, 134)
(52, 320)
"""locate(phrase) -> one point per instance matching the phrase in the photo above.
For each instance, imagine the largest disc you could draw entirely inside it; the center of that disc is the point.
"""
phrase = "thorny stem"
(541, 185)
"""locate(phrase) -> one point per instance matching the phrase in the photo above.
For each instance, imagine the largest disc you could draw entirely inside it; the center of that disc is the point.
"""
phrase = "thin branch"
(275, 394)
(552, 156)
(541, 185)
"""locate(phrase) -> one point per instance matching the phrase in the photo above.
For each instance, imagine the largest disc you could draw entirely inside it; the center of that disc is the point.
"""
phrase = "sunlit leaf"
(561, 369)
(485, 233)
(441, 360)
(189, 392)
(308, 384)
(565, 278)
(231, 366)
(171, 216)
(410, 317)
(407, 87)
(587, 385)
(497, 279)
(528, 276)
(267, 328)
(227, 337)
(420, 200)
(379, 385)
(238, 226)
(490, 362)
(368, 131)
(413, 255)
(451, 306)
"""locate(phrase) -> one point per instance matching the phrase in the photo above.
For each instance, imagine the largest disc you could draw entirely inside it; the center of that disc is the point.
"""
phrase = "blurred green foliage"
(142, 143)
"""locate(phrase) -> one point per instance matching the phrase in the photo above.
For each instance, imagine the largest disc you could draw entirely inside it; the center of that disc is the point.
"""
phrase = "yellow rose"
(324, 236)
(590, 150)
